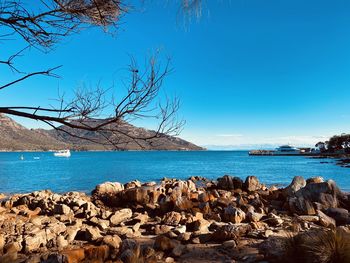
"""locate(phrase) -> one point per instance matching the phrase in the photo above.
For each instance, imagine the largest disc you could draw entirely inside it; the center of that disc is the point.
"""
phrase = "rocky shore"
(197, 220)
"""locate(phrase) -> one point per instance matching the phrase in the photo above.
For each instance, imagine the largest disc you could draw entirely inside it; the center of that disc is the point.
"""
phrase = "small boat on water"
(21, 157)
(62, 153)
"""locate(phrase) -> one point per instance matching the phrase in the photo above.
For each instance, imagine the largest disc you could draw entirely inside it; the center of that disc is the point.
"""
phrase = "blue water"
(84, 170)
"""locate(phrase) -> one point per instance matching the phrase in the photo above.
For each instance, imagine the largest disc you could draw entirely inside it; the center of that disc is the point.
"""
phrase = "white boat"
(286, 150)
(62, 153)
(21, 158)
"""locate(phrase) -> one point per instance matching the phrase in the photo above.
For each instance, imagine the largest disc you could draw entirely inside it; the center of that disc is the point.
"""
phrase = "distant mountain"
(15, 137)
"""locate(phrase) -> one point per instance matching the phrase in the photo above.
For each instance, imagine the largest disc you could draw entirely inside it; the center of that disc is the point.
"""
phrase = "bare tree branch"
(43, 26)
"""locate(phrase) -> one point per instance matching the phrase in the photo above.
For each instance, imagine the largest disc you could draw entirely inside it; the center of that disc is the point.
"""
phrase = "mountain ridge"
(15, 137)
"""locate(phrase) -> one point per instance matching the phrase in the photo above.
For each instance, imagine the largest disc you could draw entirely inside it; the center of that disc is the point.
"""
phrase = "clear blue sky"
(249, 72)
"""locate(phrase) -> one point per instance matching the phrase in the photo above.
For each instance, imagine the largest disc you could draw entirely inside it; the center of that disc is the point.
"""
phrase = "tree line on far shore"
(336, 144)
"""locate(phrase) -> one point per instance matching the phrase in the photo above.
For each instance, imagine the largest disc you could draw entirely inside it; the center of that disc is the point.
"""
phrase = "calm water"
(84, 170)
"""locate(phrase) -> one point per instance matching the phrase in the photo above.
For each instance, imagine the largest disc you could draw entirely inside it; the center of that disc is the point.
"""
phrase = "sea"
(84, 170)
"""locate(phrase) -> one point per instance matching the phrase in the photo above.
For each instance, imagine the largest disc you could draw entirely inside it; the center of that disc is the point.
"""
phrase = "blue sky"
(249, 72)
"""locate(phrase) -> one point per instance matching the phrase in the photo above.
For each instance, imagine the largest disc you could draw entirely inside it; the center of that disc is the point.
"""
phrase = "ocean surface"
(84, 170)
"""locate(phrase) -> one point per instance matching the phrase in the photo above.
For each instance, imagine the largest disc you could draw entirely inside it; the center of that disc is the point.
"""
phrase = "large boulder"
(230, 232)
(172, 218)
(321, 196)
(233, 214)
(141, 195)
(120, 216)
(340, 215)
(229, 183)
(297, 183)
(252, 184)
(301, 206)
(108, 188)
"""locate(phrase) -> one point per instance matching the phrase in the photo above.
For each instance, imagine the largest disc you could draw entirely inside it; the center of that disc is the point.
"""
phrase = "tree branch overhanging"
(44, 26)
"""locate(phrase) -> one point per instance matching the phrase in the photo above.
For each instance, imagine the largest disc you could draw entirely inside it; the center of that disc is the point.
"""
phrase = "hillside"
(15, 137)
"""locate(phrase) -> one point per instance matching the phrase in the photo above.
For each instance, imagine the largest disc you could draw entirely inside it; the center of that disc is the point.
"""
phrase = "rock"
(122, 231)
(61, 242)
(252, 184)
(128, 244)
(148, 252)
(229, 183)
(164, 243)
(100, 223)
(178, 250)
(112, 241)
(130, 256)
(172, 218)
(9, 258)
(297, 183)
(71, 233)
(229, 244)
(184, 237)
(180, 229)
(33, 242)
(108, 188)
(234, 214)
(120, 216)
(309, 218)
(162, 229)
(141, 195)
(274, 220)
(96, 253)
(132, 184)
(340, 215)
(301, 206)
(183, 204)
(324, 193)
(317, 180)
(230, 232)
(325, 220)
(73, 255)
(62, 209)
(2, 243)
(13, 247)
(200, 225)
(92, 234)
(253, 216)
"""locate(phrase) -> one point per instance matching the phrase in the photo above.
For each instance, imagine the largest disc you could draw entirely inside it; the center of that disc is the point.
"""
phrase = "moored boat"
(286, 150)
(62, 153)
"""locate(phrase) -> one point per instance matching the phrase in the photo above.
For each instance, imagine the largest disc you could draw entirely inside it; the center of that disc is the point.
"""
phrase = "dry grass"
(314, 246)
